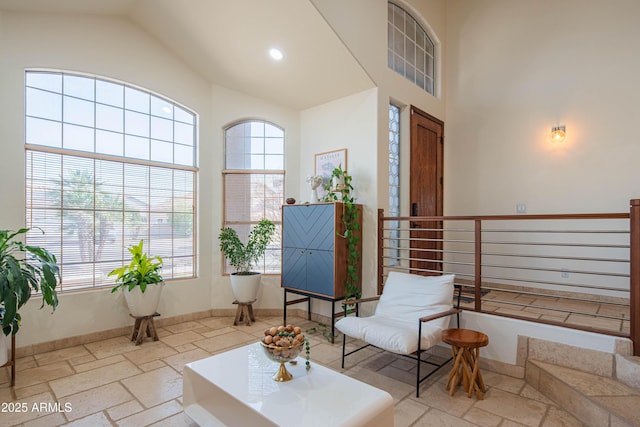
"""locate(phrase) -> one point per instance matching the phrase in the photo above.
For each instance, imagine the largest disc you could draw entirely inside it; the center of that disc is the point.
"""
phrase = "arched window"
(254, 183)
(108, 165)
(411, 52)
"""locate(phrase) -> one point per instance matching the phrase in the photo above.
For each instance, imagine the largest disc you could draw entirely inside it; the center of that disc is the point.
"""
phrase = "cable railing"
(579, 271)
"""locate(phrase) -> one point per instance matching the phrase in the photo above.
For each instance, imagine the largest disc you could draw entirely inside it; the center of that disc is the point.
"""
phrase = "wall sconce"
(558, 133)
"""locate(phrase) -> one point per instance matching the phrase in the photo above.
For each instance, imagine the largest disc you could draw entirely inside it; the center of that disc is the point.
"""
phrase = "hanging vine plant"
(340, 189)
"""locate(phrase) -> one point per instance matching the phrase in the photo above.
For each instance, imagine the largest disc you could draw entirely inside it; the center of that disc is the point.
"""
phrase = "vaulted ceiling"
(227, 42)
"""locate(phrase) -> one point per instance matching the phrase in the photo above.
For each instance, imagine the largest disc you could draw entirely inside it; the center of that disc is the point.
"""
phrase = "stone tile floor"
(116, 383)
(590, 314)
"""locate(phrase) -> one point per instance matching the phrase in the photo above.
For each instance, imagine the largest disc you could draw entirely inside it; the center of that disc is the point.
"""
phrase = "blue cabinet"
(314, 256)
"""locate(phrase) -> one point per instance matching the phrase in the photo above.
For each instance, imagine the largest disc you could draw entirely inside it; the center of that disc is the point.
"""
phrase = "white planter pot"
(143, 304)
(5, 344)
(245, 286)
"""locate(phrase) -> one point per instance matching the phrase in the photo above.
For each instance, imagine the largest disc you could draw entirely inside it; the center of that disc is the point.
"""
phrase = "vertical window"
(394, 180)
(411, 52)
(254, 183)
(108, 165)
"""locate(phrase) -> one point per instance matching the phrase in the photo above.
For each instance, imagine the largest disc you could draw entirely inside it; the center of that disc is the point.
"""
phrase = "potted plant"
(242, 257)
(141, 282)
(342, 191)
(23, 270)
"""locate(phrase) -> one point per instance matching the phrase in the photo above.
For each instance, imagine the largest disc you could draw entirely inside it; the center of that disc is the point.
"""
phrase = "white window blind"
(101, 176)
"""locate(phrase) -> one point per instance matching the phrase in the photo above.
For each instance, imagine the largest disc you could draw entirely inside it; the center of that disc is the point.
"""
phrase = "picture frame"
(327, 161)
(324, 165)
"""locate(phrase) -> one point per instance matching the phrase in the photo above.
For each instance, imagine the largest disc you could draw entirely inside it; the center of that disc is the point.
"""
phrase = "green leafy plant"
(141, 271)
(323, 329)
(23, 270)
(307, 350)
(242, 257)
(351, 223)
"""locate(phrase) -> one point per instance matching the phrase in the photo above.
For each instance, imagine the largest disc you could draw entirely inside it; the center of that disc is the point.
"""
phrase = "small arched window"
(254, 183)
(411, 52)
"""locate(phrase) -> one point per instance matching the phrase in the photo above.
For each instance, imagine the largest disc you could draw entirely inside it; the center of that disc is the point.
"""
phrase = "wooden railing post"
(478, 265)
(380, 249)
(634, 279)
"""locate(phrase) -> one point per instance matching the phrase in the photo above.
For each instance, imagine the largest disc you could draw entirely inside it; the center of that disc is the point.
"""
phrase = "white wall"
(517, 68)
(109, 47)
(514, 70)
(347, 123)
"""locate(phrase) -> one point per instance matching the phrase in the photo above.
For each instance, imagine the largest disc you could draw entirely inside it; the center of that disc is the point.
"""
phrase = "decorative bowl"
(282, 355)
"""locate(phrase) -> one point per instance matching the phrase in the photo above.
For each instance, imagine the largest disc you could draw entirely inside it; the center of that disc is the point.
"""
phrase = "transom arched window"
(411, 52)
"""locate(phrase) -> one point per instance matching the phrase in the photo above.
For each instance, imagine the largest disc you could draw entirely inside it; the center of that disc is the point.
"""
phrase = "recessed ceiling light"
(276, 54)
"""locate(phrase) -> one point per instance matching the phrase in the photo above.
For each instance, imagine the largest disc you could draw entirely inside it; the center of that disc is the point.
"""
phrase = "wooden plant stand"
(244, 312)
(144, 325)
(12, 361)
(465, 346)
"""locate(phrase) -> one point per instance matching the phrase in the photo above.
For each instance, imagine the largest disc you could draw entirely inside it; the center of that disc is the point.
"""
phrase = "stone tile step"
(628, 370)
(593, 399)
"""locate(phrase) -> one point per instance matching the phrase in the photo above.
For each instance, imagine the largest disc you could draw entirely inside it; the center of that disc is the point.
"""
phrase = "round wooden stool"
(465, 346)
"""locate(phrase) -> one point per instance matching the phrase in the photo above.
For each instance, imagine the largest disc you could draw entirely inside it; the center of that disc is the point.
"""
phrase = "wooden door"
(426, 191)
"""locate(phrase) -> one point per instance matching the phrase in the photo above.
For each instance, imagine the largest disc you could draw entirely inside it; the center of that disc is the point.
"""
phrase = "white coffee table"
(235, 388)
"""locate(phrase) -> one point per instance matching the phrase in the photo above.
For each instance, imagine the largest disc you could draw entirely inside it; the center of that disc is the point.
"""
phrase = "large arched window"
(108, 165)
(411, 52)
(254, 183)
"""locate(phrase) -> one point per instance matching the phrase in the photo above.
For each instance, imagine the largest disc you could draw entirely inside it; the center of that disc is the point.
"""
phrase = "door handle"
(414, 212)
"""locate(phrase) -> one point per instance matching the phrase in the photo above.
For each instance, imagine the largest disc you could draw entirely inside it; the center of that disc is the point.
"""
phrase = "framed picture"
(326, 162)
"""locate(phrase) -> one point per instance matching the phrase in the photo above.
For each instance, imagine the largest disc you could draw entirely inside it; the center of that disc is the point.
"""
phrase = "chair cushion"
(396, 336)
(410, 296)
(405, 298)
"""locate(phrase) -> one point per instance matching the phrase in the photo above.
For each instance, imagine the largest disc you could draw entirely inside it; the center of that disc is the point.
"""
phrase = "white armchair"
(410, 306)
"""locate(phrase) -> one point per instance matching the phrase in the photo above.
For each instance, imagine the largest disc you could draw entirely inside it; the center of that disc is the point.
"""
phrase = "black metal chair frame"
(417, 356)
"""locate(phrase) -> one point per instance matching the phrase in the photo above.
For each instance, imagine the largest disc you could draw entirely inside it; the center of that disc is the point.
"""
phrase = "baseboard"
(161, 321)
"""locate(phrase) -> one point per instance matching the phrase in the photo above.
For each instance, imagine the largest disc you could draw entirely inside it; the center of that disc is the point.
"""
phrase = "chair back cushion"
(410, 296)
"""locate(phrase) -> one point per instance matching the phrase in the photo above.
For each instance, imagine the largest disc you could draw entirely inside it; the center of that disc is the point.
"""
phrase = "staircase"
(596, 394)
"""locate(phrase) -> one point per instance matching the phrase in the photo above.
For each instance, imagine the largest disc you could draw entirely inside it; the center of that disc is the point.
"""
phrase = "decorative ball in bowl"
(282, 344)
